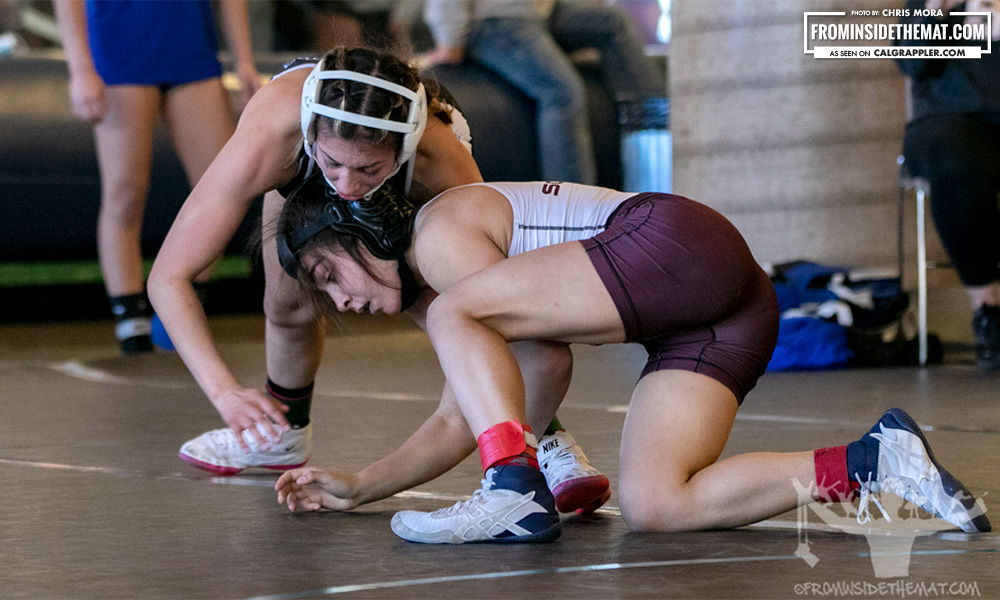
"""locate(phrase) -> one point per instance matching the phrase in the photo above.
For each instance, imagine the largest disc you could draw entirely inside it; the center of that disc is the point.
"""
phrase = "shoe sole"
(230, 471)
(951, 485)
(592, 507)
(582, 495)
(400, 529)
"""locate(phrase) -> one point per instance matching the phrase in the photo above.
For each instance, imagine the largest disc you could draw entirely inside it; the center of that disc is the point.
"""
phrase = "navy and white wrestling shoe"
(904, 465)
(514, 505)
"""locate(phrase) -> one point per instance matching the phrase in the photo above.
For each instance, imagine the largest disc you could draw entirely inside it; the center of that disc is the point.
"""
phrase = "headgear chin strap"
(412, 129)
(384, 224)
(410, 290)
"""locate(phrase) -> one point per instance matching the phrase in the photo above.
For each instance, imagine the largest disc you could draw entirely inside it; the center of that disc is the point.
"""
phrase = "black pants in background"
(960, 157)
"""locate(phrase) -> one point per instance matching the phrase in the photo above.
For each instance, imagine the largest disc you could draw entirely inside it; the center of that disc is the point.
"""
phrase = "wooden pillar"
(800, 153)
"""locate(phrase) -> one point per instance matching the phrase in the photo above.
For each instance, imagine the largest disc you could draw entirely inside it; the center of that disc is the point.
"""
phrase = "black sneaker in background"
(986, 326)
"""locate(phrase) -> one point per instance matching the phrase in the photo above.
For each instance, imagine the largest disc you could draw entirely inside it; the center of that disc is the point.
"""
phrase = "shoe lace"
(867, 489)
(462, 506)
(226, 439)
(567, 460)
(477, 497)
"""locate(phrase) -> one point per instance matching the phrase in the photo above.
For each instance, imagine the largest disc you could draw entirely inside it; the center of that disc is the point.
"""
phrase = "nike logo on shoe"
(550, 446)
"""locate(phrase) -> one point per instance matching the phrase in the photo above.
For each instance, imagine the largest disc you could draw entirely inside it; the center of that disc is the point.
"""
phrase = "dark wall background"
(50, 185)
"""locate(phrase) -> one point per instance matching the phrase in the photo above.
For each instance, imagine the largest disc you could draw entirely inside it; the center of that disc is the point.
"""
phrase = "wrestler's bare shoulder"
(276, 106)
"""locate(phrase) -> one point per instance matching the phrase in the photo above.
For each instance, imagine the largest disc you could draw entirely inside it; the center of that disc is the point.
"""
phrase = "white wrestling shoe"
(907, 468)
(577, 486)
(514, 505)
(219, 452)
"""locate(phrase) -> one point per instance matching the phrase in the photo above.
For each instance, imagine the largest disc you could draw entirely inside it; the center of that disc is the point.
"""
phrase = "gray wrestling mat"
(96, 504)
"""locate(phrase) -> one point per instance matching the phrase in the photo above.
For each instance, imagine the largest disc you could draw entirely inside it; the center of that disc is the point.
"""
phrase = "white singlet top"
(547, 213)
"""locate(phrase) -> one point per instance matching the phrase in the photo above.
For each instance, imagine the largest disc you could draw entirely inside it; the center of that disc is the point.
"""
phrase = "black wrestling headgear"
(384, 223)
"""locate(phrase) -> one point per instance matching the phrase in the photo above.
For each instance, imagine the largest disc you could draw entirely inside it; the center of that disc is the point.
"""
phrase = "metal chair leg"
(921, 276)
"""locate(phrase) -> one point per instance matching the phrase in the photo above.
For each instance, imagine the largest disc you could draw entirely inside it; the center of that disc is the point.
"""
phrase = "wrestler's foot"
(218, 451)
(907, 467)
(577, 486)
(514, 505)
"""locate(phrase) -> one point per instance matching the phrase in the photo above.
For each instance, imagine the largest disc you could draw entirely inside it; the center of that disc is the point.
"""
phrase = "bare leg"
(677, 425)
(470, 326)
(201, 121)
(547, 368)
(294, 332)
(124, 152)
(472, 322)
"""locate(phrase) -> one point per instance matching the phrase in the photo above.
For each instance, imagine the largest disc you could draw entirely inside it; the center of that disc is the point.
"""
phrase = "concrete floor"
(97, 505)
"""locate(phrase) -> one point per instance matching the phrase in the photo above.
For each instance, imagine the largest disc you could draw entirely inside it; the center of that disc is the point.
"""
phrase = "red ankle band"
(832, 482)
(504, 440)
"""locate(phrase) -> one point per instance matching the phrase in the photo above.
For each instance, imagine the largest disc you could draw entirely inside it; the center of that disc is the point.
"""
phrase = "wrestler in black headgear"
(383, 223)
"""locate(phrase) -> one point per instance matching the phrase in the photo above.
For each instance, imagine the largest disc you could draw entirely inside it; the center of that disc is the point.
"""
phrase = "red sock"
(832, 482)
(508, 443)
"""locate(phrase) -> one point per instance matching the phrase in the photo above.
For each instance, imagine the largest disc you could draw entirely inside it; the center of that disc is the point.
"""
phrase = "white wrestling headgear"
(412, 129)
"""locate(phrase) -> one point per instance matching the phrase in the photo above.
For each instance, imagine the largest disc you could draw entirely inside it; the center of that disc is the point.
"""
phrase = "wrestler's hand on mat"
(245, 409)
(310, 489)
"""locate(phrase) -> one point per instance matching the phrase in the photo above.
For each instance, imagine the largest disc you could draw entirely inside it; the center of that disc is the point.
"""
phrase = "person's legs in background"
(522, 52)
(627, 70)
(124, 140)
(201, 120)
(960, 158)
(635, 83)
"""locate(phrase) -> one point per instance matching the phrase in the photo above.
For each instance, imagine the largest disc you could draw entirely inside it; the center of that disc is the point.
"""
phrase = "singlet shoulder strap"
(294, 65)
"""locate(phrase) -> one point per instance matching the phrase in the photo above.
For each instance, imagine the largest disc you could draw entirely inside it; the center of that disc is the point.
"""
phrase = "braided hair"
(364, 99)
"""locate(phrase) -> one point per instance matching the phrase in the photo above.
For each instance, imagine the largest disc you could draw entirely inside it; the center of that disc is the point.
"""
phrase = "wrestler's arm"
(257, 159)
(466, 237)
(441, 442)
(462, 232)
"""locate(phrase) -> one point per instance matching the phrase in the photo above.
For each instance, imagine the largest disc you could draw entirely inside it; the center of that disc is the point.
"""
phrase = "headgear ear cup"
(384, 224)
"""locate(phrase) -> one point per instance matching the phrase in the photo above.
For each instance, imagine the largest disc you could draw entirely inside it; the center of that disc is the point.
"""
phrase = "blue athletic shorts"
(161, 42)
